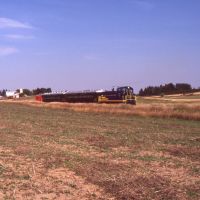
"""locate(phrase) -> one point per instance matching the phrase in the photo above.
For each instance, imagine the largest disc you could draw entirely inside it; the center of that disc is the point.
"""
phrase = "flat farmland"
(57, 152)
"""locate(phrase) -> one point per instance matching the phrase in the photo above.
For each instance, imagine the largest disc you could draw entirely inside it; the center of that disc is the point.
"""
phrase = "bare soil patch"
(65, 154)
(22, 178)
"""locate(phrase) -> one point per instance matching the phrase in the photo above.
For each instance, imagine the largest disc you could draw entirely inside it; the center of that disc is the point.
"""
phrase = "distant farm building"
(12, 94)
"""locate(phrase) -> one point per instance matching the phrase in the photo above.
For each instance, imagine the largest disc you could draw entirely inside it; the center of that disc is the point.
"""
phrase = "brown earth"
(24, 178)
(66, 154)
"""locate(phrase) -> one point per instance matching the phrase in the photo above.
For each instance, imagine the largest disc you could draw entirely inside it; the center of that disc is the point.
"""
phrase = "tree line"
(28, 92)
(167, 89)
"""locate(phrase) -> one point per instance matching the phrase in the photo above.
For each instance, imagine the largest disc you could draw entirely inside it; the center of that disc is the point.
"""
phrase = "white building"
(12, 94)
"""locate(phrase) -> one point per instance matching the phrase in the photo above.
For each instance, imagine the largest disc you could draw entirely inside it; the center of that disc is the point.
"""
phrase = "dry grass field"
(91, 151)
(146, 107)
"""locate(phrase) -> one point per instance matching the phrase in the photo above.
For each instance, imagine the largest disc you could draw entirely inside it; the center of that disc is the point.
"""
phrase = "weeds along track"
(170, 110)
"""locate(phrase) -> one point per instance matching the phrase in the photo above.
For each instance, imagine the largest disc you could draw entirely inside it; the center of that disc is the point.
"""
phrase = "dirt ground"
(64, 154)
(24, 178)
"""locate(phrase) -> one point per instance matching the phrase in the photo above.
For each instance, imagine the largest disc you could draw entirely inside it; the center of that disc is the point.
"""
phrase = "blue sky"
(91, 44)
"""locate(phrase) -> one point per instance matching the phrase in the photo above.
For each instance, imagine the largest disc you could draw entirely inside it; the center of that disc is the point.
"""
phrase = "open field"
(146, 107)
(177, 98)
(65, 153)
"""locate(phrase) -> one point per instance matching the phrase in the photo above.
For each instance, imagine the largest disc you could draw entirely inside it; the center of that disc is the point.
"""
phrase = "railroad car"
(120, 95)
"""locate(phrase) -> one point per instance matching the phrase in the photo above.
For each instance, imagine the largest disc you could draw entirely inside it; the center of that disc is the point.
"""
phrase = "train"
(119, 95)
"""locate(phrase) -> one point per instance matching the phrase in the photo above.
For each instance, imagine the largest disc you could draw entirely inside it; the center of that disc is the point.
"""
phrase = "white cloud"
(19, 37)
(10, 23)
(5, 51)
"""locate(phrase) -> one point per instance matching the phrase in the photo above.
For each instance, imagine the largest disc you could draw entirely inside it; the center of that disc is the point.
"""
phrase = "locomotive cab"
(127, 94)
